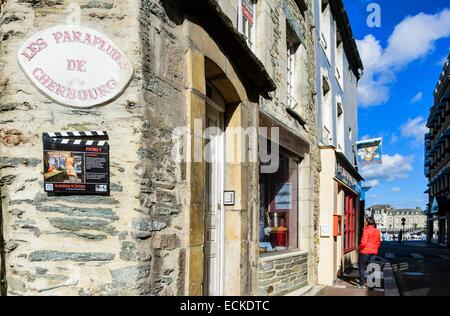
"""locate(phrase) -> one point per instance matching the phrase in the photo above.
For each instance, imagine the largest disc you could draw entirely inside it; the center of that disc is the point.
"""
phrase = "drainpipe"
(2, 254)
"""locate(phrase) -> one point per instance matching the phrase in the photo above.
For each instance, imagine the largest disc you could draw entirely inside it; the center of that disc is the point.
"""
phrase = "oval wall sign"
(75, 65)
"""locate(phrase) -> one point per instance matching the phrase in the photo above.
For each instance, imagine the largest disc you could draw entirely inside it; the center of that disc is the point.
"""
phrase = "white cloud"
(412, 39)
(372, 183)
(395, 189)
(415, 128)
(418, 97)
(394, 139)
(393, 168)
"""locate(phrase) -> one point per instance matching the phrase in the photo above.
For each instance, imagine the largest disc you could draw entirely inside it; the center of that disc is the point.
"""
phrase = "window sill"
(296, 116)
(281, 255)
(339, 83)
(324, 50)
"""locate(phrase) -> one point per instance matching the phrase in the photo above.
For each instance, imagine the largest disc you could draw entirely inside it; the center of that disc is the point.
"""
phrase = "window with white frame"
(291, 49)
(340, 125)
(339, 59)
(325, 26)
(327, 119)
(246, 21)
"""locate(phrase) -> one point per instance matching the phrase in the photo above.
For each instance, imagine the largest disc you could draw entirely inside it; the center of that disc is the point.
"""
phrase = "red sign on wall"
(247, 10)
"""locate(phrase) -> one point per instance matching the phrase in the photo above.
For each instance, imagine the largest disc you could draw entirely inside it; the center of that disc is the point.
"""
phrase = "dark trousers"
(364, 261)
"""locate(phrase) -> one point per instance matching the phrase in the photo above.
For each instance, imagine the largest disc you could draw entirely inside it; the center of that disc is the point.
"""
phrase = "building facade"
(191, 211)
(339, 68)
(389, 219)
(437, 162)
(288, 196)
(164, 229)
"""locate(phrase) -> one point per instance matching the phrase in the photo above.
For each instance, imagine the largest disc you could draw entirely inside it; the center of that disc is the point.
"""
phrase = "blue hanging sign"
(370, 152)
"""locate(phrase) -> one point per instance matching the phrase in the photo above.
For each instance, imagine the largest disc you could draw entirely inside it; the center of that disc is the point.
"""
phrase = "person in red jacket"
(368, 248)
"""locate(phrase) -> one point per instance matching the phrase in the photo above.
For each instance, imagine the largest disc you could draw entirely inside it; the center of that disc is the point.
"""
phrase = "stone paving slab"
(338, 291)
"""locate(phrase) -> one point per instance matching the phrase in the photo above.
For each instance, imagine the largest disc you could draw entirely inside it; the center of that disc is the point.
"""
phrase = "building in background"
(437, 162)
(339, 68)
(389, 219)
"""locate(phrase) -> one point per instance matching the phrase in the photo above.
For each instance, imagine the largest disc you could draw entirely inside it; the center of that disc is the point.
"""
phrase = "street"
(419, 270)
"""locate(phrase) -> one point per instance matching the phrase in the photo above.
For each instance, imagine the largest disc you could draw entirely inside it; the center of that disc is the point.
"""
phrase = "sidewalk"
(348, 286)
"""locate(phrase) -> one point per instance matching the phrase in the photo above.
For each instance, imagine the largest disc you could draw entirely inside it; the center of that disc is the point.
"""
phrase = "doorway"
(214, 211)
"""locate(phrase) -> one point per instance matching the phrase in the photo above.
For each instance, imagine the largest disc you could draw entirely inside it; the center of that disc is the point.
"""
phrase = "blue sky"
(403, 59)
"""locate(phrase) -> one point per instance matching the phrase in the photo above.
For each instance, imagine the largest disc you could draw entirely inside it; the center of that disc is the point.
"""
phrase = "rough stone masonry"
(129, 243)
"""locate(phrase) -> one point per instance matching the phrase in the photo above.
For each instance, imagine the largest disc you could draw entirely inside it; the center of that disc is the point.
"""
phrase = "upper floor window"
(325, 26)
(339, 59)
(327, 110)
(340, 128)
(291, 49)
(246, 21)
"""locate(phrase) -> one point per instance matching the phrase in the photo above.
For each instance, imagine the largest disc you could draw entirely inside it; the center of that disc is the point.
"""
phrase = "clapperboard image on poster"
(76, 162)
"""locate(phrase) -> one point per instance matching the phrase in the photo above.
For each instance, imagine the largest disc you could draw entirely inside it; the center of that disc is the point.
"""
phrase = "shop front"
(438, 223)
(283, 262)
(339, 215)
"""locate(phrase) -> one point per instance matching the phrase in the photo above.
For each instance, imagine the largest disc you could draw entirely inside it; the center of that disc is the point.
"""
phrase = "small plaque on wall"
(76, 163)
(325, 230)
(228, 198)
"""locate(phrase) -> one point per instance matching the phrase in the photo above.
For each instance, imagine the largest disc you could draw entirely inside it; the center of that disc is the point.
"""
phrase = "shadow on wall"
(207, 14)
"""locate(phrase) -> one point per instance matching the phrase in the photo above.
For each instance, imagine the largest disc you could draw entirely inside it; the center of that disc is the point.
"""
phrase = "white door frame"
(218, 112)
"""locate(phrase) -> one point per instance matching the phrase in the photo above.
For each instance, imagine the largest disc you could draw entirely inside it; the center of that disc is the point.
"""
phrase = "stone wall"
(281, 276)
(135, 241)
(127, 243)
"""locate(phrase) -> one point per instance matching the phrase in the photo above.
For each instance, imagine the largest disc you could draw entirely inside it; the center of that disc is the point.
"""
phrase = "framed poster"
(283, 197)
(76, 163)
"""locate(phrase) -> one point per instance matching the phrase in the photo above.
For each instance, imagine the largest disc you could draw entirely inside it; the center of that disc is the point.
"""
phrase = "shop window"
(246, 21)
(349, 223)
(278, 222)
(435, 233)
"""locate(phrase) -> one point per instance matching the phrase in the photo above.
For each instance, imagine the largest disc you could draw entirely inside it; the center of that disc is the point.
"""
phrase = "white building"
(389, 219)
(339, 68)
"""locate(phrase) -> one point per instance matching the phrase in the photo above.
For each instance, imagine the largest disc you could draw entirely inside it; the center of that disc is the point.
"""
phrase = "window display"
(435, 236)
(278, 224)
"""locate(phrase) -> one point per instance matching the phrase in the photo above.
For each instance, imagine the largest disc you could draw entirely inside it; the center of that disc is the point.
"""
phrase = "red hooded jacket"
(370, 241)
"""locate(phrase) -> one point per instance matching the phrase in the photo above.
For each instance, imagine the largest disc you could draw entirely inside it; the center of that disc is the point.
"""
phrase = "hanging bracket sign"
(75, 65)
